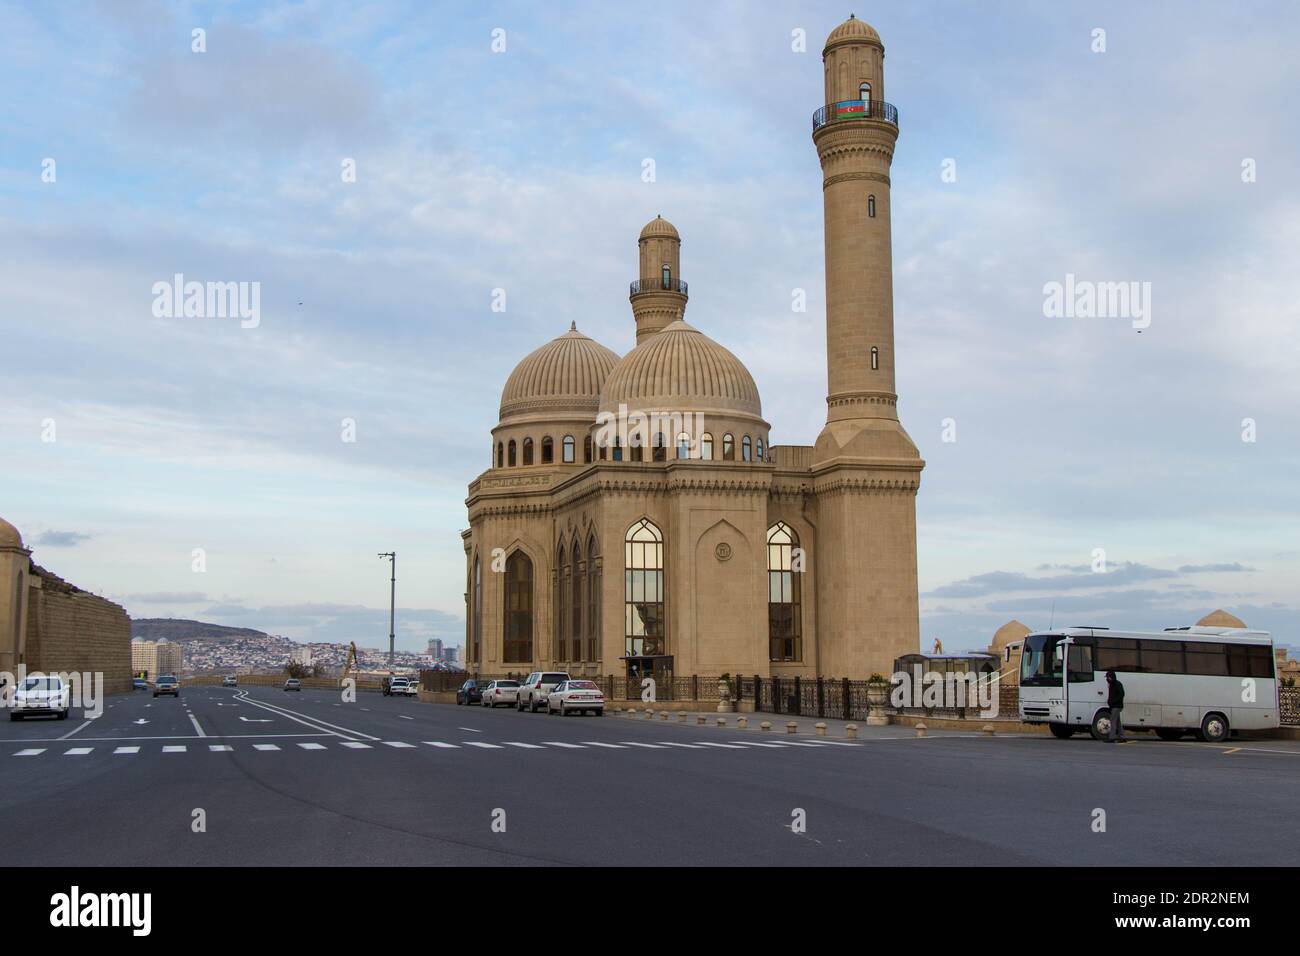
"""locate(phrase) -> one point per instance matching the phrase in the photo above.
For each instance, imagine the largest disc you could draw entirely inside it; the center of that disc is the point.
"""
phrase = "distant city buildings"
(154, 658)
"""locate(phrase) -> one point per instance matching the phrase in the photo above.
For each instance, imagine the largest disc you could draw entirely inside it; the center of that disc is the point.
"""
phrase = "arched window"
(511, 446)
(759, 456)
(575, 603)
(643, 590)
(667, 276)
(570, 448)
(706, 447)
(636, 452)
(746, 449)
(683, 446)
(660, 451)
(617, 453)
(728, 447)
(875, 358)
(586, 451)
(783, 594)
(500, 454)
(518, 644)
(528, 451)
(562, 572)
(593, 602)
(864, 94)
(548, 450)
(476, 631)
(871, 206)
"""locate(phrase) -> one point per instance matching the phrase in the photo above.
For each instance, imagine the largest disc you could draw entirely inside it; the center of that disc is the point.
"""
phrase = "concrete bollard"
(821, 730)
(631, 711)
(920, 730)
(988, 729)
(649, 714)
(722, 721)
(851, 731)
(765, 725)
(663, 715)
(700, 719)
(742, 722)
(791, 727)
(681, 716)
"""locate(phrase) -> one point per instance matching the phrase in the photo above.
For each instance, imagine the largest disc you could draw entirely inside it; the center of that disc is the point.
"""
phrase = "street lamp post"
(392, 601)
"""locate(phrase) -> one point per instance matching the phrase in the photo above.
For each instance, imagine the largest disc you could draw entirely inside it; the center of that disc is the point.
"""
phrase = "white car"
(408, 687)
(500, 692)
(41, 695)
(533, 691)
(576, 695)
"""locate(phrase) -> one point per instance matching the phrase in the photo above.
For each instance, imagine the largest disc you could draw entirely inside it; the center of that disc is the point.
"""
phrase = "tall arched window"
(500, 454)
(569, 450)
(476, 630)
(643, 590)
(871, 206)
(518, 643)
(635, 451)
(593, 602)
(511, 456)
(683, 446)
(660, 450)
(728, 447)
(528, 451)
(562, 572)
(746, 449)
(864, 94)
(785, 639)
(586, 451)
(706, 447)
(875, 358)
(548, 450)
(759, 456)
(575, 603)
(667, 276)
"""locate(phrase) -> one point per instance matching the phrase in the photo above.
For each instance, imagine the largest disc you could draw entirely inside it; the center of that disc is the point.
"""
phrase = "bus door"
(1086, 688)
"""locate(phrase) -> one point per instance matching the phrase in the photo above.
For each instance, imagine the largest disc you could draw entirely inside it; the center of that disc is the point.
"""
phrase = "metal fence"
(1288, 703)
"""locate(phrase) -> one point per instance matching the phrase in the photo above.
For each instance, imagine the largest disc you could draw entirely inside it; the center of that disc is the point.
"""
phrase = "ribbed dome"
(1220, 618)
(564, 375)
(9, 536)
(681, 369)
(659, 227)
(853, 29)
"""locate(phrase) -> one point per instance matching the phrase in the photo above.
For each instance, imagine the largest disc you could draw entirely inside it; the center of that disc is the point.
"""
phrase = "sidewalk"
(806, 727)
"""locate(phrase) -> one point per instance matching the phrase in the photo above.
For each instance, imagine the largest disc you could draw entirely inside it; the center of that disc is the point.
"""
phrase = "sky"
(1101, 473)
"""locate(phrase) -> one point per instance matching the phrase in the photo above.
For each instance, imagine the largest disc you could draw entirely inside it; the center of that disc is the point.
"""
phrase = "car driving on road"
(41, 695)
(533, 691)
(576, 696)
(229, 681)
(500, 692)
(404, 687)
(167, 684)
(293, 684)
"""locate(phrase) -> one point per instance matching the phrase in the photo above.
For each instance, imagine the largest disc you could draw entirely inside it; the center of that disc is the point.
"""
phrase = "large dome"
(1220, 618)
(659, 227)
(9, 536)
(851, 30)
(564, 375)
(681, 369)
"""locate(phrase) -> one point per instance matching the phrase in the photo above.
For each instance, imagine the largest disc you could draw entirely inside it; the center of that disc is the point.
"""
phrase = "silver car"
(533, 691)
(500, 692)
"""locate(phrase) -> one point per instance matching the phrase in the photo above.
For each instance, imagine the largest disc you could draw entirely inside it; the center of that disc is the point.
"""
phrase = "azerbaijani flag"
(851, 108)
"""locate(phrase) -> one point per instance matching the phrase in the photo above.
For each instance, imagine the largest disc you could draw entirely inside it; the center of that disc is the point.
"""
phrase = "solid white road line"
(439, 743)
(30, 752)
(312, 746)
(356, 745)
(475, 743)
(77, 751)
(127, 750)
(265, 747)
(396, 743)
(174, 749)
(71, 732)
(313, 722)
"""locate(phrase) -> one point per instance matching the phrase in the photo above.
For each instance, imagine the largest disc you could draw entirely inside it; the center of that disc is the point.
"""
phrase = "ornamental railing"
(848, 110)
(658, 284)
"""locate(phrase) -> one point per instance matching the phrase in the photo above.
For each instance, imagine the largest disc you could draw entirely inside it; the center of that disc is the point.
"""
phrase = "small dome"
(9, 536)
(659, 227)
(563, 375)
(681, 369)
(1009, 633)
(1220, 618)
(853, 29)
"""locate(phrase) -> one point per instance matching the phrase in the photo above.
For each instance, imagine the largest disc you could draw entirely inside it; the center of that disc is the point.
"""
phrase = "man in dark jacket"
(1115, 701)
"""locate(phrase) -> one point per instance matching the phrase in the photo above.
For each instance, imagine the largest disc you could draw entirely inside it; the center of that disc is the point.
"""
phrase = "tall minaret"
(866, 469)
(658, 295)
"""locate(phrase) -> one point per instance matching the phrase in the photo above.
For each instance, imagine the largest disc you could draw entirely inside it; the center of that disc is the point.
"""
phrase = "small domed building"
(637, 519)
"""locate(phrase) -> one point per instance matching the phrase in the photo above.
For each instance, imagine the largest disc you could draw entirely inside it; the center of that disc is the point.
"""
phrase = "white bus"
(1207, 680)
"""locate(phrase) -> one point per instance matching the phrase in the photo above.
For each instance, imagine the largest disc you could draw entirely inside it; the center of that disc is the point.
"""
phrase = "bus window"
(1081, 663)
(1163, 657)
(1115, 655)
(1207, 660)
(1040, 661)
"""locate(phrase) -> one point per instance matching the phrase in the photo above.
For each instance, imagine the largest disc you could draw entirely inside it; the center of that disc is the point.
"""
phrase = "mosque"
(637, 518)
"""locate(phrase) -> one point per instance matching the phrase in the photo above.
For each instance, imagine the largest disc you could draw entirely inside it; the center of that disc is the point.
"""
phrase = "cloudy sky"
(129, 440)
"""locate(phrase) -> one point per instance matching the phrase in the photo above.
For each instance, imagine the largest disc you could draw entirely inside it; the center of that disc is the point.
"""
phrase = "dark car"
(167, 685)
(470, 693)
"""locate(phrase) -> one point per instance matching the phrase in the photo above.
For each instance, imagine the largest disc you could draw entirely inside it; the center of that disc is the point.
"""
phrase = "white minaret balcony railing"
(855, 109)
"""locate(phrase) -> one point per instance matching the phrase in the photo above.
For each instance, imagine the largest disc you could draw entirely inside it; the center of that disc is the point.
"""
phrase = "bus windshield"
(1041, 664)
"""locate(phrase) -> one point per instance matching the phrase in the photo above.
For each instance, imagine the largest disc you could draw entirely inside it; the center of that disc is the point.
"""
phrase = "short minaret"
(658, 295)
(866, 470)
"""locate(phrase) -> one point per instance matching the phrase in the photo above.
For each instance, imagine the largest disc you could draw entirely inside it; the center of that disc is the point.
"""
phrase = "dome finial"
(573, 325)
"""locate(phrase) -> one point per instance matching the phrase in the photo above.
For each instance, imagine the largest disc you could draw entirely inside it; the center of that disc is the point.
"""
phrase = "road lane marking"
(470, 730)
(404, 717)
(597, 743)
(557, 743)
(127, 750)
(219, 748)
(71, 732)
(647, 746)
(30, 752)
(1232, 751)
(314, 723)
(174, 749)
(516, 743)
(755, 743)
(396, 743)
(197, 729)
(475, 743)
(77, 751)
(357, 745)
(312, 746)
(439, 743)
(803, 743)
(670, 743)
(265, 747)
(727, 746)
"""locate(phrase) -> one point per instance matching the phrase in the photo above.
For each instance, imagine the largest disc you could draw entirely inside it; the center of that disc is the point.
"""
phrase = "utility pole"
(392, 601)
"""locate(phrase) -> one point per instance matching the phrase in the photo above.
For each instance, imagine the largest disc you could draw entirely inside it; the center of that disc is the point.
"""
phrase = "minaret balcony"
(849, 110)
(658, 284)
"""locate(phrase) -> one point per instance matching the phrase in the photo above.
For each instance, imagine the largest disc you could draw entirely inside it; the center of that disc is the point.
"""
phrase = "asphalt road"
(302, 778)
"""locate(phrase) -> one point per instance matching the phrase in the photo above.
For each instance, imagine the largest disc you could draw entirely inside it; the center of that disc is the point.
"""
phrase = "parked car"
(533, 691)
(469, 693)
(139, 683)
(500, 692)
(230, 680)
(404, 687)
(580, 696)
(167, 685)
(41, 695)
(293, 684)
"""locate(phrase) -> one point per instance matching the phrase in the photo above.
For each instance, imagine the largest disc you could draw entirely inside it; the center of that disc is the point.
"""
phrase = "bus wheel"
(1061, 731)
(1100, 728)
(1170, 733)
(1214, 729)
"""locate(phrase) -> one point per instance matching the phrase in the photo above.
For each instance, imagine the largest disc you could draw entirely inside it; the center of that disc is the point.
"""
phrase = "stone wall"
(73, 630)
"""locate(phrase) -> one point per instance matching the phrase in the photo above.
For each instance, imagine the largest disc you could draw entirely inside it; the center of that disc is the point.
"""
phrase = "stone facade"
(697, 547)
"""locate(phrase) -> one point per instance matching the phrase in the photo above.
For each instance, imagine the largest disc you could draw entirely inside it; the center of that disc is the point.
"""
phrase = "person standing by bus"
(1115, 701)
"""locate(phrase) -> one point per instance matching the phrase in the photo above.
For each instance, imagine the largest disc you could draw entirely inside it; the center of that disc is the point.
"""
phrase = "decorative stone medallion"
(723, 551)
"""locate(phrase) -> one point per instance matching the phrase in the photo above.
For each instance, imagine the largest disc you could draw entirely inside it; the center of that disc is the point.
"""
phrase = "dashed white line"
(557, 743)
(174, 749)
(439, 743)
(647, 746)
(77, 751)
(475, 743)
(312, 746)
(265, 747)
(597, 743)
(396, 743)
(30, 752)
(127, 750)
(356, 745)
(516, 743)
(220, 748)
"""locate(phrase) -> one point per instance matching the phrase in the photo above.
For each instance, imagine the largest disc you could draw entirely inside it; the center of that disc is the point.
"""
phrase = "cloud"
(1217, 568)
(167, 597)
(61, 539)
(1080, 576)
